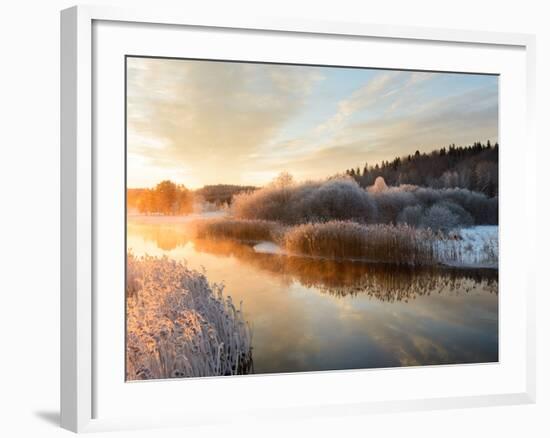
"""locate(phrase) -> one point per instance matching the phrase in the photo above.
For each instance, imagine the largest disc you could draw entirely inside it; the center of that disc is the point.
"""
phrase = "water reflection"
(166, 236)
(382, 281)
(312, 314)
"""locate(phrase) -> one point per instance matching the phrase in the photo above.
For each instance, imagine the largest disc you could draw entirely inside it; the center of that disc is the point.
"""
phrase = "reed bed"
(180, 325)
(399, 244)
(239, 229)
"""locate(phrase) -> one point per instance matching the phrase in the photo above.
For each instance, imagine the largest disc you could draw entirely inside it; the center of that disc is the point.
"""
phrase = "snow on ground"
(268, 248)
(470, 247)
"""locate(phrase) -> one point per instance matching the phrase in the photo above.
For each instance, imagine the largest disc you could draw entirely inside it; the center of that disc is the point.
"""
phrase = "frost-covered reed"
(180, 325)
(344, 240)
(400, 244)
(239, 229)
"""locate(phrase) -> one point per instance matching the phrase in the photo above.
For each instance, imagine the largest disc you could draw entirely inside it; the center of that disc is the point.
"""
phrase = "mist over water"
(311, 314)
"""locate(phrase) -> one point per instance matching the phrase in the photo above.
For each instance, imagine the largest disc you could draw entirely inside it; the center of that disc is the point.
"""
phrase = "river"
(311, 314)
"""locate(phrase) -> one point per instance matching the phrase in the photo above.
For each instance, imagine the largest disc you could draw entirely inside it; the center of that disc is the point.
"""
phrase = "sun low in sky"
(208, 122)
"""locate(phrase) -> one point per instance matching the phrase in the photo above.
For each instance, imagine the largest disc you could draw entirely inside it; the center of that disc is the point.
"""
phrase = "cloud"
(385, 91)
(396, 127)
(208, 115)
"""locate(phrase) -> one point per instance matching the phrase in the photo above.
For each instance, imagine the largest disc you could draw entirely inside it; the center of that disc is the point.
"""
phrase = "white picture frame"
(81, 192)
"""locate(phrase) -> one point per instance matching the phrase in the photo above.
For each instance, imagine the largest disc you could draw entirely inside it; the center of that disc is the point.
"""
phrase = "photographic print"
(297, 218)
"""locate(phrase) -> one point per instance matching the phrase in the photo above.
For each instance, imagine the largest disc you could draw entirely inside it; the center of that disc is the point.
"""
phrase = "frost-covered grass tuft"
(180, 325)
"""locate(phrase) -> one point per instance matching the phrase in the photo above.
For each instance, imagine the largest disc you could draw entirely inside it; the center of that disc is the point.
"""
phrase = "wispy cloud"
(399, 113)
(208, 116)
(386, 90)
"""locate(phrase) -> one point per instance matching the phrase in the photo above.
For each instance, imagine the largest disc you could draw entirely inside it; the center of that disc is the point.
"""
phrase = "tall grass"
(400, 244)
(179, 325)
(238, 229)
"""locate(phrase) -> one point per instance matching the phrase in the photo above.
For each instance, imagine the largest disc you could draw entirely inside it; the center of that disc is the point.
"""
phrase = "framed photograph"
(266, 218)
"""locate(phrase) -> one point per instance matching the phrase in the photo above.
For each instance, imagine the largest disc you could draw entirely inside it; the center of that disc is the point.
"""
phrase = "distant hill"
(472, 167)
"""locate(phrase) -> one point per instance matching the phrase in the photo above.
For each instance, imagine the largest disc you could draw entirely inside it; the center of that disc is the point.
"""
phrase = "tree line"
(165, 198)
(220, 194)
(473, 167)
(168, 198)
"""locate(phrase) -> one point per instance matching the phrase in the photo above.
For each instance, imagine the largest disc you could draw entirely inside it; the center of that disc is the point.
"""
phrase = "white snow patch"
(475, 246)
(268, 248)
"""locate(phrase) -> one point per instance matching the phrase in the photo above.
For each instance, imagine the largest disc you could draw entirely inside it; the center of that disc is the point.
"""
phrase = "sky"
(207, 122)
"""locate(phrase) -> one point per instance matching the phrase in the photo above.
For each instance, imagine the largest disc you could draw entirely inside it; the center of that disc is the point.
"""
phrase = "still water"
(311, 315)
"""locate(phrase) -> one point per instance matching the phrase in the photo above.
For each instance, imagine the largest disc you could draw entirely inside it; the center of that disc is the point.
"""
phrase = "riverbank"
(475, 246)
(400, 244)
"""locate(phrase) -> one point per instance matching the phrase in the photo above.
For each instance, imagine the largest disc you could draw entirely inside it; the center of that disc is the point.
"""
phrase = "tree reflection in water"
(165, 236)
(385, 282)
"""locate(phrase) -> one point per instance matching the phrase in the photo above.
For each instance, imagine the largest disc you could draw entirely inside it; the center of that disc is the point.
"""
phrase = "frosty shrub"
(399, 244)
(391, 202)
(343, 199)
(460, 216)
(179, 325)
(378, 186)
(439, 216)
(238, 229)
(339, 198)
(484, 210)
(411, 215)
(412, 205)
(446, 216)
